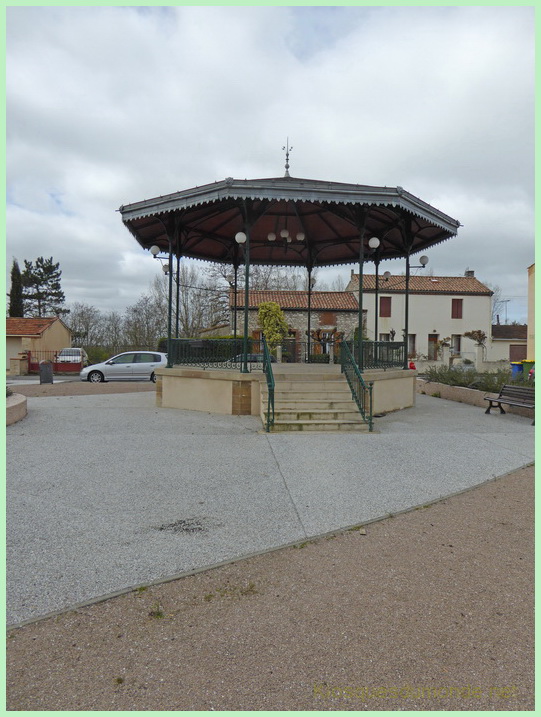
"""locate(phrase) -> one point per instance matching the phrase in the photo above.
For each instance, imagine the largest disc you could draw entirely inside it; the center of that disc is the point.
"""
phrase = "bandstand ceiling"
(201, 223)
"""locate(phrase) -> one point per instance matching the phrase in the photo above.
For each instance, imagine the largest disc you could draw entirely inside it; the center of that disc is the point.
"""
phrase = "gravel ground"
(429, 610)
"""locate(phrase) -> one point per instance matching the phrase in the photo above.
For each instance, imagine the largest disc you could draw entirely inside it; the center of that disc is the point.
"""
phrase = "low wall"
(466, 395)
(393, 389)
(226, 392)
(234, 393)
(16, 408)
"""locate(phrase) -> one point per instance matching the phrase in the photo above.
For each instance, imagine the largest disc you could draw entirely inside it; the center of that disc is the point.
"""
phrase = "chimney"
(470, 273)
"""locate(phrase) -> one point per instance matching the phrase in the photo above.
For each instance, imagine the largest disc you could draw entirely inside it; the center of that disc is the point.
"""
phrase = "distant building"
(35, 335)
(531, 313)
(508, 342)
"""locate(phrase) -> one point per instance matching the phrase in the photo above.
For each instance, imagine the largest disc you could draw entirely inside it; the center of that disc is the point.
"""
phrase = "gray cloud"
(111, 105)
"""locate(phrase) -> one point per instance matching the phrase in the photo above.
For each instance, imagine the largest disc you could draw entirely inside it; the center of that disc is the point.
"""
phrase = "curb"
(16, 408)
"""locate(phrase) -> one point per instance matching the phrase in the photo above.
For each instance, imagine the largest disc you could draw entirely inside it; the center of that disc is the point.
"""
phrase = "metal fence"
(36, 357)
(379, 354)
(228, 353)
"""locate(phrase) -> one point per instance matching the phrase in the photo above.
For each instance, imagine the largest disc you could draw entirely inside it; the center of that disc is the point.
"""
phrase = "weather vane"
(287, 149)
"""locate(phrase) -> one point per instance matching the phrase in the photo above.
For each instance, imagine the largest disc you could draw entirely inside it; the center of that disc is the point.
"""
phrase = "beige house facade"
(440, 308)
(36, 335)
(508, 342)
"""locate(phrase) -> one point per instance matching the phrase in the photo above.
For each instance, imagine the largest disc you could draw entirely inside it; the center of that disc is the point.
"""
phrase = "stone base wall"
(215, 391)
(393, 389)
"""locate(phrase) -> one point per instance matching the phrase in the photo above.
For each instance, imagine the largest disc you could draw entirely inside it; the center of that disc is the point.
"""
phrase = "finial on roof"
(287, 149)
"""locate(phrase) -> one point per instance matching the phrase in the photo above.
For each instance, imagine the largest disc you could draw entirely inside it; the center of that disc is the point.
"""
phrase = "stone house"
(333, 315)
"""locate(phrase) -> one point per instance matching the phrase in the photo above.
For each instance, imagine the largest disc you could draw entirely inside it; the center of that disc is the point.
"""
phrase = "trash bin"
(526, 366)
(516, 369)
(45, 372)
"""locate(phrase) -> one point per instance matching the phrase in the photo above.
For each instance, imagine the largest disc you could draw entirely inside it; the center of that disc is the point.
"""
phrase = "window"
(327, 318)
(147, 358)
(411, 345)
(384, 337)
(385, 306)
(456, 308)
(124, 358)
(456, 344)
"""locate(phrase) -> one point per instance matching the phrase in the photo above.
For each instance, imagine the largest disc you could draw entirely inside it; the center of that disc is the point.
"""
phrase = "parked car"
(127, 366)
(72, 355)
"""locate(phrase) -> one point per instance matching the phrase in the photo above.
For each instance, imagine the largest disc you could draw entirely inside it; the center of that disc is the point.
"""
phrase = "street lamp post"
(423, 261)
(244, 238)
(168, 269)
(373, 244)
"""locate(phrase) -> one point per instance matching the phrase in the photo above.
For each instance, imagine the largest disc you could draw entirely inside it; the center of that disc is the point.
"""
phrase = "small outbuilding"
(40, 337)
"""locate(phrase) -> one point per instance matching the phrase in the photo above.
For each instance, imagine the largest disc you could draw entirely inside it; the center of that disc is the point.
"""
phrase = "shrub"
(97, 354)
(488, 381)
(9, 392)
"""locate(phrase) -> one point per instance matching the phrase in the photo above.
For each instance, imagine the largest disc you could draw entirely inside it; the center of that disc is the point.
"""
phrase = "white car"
(72, 355)
(128, 366)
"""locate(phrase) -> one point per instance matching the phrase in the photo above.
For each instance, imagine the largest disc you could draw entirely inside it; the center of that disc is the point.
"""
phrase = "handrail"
(362, 394)
(267, 368)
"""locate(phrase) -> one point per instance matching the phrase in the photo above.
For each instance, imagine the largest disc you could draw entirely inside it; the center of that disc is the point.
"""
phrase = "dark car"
(251, 358)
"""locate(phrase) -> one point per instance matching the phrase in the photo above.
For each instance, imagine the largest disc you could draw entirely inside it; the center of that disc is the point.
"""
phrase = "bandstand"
(293, 222)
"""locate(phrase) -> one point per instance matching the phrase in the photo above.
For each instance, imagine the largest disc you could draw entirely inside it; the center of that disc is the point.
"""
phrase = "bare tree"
(145, 322)
(113, 332)
(86, 324)
(498, 303)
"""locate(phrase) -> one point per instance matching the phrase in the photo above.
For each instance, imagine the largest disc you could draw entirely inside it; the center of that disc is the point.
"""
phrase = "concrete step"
(310, 378)
(304, 414)
(310, 389)
(303, 404)
(328, 425)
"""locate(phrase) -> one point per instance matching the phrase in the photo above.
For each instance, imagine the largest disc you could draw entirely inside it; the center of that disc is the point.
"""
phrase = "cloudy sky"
(112, 105)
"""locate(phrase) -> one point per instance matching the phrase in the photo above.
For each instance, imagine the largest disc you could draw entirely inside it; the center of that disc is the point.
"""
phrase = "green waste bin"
(516, 369)
(526, 366)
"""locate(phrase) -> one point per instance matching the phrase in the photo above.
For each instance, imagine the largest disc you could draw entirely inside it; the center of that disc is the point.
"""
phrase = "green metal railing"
(207, 353)
(362, 394)
(379, 354)
(267, 368)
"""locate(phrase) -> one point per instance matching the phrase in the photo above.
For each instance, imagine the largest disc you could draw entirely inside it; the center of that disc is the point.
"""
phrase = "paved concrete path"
(107, 492)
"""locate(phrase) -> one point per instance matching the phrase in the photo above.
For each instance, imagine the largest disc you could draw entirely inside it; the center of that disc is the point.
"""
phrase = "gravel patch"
(429, 610)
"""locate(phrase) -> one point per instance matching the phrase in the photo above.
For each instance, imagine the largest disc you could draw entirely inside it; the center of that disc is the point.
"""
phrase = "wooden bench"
(523, 396)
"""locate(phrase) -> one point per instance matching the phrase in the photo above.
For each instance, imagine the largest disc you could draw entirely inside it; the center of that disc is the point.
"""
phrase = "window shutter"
(385, 306)
(456, 308)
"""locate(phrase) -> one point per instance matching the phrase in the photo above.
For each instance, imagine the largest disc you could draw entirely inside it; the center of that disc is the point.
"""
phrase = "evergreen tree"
(16, 304)
(42, 293)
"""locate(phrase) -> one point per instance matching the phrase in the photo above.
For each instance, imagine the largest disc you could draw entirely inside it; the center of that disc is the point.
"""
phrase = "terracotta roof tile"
(509, 331)
(422, 284)
(298, 300)
(28, 327)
